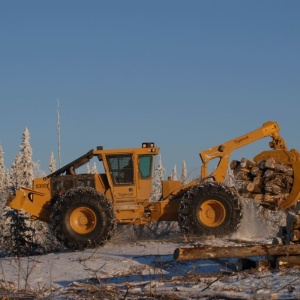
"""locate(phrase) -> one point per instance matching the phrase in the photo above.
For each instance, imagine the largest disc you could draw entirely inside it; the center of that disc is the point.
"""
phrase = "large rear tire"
(210, 209)
(83, 218)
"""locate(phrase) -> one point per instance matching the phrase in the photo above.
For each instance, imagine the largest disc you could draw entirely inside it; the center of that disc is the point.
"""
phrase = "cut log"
(256, 171)
(263, 265)
(243, 174)
(258, 181)
(234, 164)
(271, 187)
(283, 262)
(271, 163)
(251, 187)
(268, 174)
(268, 182)
(280, 180)
(286, 169)
(261, 164)
(209, 252)
(269, 198)
(258, 198)
(247, 194)
(241, 186)
(248, 164)
(289, 180)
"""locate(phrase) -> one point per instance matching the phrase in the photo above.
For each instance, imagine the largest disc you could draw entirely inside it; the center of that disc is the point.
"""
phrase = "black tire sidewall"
(98, 203)
(189, 220)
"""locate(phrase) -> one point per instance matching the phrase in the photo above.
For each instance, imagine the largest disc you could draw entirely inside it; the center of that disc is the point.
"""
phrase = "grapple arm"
(224, 150)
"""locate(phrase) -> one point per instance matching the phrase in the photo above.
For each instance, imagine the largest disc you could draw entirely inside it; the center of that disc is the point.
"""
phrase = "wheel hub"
(212, 213)
(83, 220)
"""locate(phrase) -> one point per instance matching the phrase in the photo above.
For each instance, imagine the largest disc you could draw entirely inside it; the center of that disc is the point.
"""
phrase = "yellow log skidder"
(84, 209)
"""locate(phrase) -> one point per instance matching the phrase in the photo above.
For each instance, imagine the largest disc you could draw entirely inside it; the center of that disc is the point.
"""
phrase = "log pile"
(268, 182)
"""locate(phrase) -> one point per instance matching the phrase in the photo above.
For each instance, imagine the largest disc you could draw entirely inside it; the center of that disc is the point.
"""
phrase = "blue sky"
(187, 75)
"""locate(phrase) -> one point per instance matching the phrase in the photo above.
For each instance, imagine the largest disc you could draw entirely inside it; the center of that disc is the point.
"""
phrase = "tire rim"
(212, 213)
(83, 220)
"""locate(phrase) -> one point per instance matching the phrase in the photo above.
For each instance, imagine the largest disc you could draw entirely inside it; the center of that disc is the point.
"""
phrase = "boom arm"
(224, 150)
(77, 163)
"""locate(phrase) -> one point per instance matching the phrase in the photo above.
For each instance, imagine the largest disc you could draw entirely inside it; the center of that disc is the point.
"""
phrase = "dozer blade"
(23, 200)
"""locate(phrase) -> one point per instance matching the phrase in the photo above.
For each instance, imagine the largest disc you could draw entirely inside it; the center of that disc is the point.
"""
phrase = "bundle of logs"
(268, 182)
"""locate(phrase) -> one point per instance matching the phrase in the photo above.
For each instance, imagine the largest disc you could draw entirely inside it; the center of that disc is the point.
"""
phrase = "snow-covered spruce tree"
(17, 233)
(94, 168)
(26, 161)
(2, 173)
(15, 172)
(174, 173)
(2, 189)
(52, 163)
(160, 172)
(7, 183)
(22, 236)
(88, 169)
(184, 176)
(37, 170)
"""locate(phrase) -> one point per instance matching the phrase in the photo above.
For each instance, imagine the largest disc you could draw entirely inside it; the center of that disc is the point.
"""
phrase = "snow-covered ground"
(126, 269)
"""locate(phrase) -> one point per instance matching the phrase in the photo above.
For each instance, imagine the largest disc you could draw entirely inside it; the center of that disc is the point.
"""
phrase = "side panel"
(165, 210)
(170, 187)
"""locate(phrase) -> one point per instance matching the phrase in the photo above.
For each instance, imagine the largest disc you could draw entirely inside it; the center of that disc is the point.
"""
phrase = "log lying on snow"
(284, 262)
(267, 182)
(210, 252)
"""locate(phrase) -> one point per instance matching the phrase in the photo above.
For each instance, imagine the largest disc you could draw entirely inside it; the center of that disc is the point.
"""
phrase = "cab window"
(145, 166)
(121, 168)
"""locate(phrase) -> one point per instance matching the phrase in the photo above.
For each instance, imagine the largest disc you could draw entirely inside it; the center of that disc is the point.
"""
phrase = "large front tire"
(210, 209)
(83, 218)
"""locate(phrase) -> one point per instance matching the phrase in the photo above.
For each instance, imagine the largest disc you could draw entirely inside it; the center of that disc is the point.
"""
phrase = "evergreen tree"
(174, 173)
(88, 170)
(38, 173)
(16, 172)
(26, 163)
(2, 189)
(17, 235)
(52, 164)
(20, 235)
(159, 176)
(94, 169)
(7, 181)
(2, 172)
(184, 176)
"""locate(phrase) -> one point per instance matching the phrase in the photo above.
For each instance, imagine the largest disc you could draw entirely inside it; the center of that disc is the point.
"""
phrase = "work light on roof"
(147, 145)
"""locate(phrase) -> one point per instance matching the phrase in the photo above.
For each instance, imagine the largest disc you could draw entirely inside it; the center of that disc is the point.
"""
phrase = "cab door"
(121, 175)
(144, 185)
